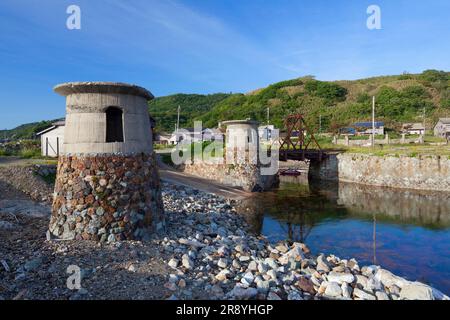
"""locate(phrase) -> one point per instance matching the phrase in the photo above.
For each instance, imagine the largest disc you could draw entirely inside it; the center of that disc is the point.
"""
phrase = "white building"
(413, 128)
(265, 133)
(442, 128)
(52, 139)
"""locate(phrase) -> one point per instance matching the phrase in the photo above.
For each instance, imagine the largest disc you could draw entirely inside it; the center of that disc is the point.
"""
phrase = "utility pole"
(178, 119)
(424, 129)
(268, 115)
(373, 121)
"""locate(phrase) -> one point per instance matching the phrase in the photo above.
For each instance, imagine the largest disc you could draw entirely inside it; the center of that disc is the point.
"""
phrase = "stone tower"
(107, 185)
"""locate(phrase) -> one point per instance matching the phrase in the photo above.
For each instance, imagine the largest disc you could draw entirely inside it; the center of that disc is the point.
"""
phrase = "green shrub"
(29, 153)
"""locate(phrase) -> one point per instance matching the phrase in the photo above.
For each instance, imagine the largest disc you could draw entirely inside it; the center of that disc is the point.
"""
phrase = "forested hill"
(26, 131)
(400, 98)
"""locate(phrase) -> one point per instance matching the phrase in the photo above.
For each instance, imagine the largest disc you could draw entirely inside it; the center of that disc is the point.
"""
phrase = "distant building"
(162, 138)
(366, 127)
(413, 128)
(52, 139)
(265, 133)
(442, 128)
(347, 131)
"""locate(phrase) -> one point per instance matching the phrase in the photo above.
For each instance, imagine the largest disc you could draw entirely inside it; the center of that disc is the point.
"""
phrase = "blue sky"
(206, 46)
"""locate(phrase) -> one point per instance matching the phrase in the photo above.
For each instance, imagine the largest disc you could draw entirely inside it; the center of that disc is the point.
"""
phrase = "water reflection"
(405, 231)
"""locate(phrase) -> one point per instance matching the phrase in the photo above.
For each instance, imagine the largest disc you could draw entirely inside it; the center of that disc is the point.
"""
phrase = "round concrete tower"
(107, 185)
(241, 141)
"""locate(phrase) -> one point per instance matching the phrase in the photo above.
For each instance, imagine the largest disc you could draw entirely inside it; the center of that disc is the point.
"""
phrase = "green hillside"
(164, 109)
(25, 131)
(399, 98)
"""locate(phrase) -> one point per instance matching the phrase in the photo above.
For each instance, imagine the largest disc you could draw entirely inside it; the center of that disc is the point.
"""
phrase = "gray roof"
(444, 120)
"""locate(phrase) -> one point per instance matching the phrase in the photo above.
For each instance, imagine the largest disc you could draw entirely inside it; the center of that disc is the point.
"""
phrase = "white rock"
(361, 280)
(346, 290)
(340, 277)
(333, 290)
(271, 263)
(363, 295)
(187, 262)
(223, 275)
(252, 266)
(388, 279)
(247, 279)
(222, 263)
(236, 264)
(381, 295)
(322, 264)
(416, 291)
(173, 263)
(272, 274)
(244, 258)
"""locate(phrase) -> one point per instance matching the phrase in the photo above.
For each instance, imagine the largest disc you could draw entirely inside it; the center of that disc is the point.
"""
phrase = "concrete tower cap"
(68, 88)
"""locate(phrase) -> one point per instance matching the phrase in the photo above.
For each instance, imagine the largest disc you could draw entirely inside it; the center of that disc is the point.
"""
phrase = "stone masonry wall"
(246, 176)
(421, 173)
(106, 198)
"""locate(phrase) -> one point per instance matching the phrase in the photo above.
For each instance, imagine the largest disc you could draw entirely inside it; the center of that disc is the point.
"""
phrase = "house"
(413, 128)
(366, 127)
(162, 138)
(347, 131)
(266, 132)
(186, 136)
(442, 128)
(52, 139)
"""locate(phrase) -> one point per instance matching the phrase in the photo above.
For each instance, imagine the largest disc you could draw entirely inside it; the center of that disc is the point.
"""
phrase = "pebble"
(173, 263)
(252, 266)
(247, 279)
(187, 262)
(222, 263)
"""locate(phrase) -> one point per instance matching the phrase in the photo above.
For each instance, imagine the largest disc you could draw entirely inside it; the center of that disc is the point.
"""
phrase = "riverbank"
(207, 252)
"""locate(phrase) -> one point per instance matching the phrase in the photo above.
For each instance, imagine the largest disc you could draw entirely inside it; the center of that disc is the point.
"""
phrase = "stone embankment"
(30, 180)
(420, 173)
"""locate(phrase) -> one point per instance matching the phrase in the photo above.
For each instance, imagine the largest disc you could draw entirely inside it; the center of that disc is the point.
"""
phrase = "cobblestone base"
(107, 198)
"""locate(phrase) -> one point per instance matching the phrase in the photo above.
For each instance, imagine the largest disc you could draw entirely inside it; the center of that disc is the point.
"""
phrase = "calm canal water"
(406, 232)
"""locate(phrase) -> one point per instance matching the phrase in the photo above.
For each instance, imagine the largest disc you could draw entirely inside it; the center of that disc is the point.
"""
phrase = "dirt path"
(180, 178)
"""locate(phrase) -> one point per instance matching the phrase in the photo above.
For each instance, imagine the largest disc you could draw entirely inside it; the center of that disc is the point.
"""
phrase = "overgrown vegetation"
(27, 149)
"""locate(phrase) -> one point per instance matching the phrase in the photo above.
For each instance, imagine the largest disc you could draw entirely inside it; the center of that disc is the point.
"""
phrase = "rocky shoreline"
(206, 252)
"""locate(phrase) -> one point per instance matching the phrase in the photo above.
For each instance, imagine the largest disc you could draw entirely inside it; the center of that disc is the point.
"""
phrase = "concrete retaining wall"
(421, 173)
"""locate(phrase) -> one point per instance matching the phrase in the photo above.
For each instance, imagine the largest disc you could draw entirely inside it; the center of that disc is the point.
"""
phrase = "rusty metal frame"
(296, 123)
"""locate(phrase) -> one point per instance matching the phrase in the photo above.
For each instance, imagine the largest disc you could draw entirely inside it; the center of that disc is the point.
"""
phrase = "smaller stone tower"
(107, 185)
